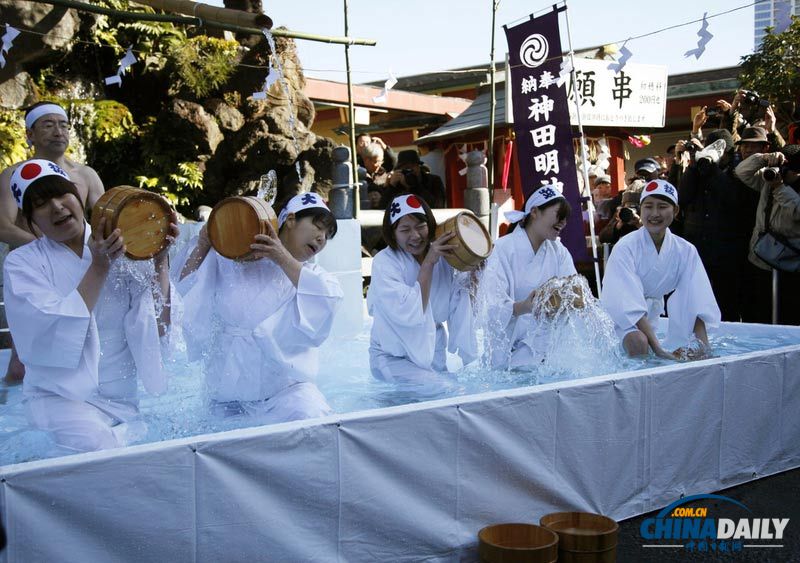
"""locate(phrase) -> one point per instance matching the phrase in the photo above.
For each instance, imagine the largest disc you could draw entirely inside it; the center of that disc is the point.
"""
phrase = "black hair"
(564, 209)
(43, 190)
(792, 154)
(426, 216)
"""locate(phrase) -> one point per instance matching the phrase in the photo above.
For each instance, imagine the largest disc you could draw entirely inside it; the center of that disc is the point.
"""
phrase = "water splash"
(268, 187)
(282, 79)
(575, 335)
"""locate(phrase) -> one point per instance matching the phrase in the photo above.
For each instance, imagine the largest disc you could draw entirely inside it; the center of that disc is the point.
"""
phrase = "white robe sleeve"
(692, 298)
(49, 329)
(307, 319)
(623, 293)
(401, 327)
(460, 322)
(198, 291)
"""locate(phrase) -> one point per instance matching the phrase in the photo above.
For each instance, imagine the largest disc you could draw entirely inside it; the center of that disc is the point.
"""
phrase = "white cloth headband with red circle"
(659, 187)
(404, 205)
(299, 202)
(30, 171)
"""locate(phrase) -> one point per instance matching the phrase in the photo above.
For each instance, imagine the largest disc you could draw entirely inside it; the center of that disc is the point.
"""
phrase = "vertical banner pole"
(584, 157)
(492, 109)
(351, 112)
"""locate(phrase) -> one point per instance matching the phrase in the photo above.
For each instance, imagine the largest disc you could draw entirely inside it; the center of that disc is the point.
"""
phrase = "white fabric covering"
(512, 272)
(417, 482)
(638, 277)
(407, 343)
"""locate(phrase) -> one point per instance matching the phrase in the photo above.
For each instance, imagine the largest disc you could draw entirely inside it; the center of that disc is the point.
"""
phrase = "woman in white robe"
(412, 294)
(523, 261)
(52, 288)
(648, 264)
(139, 322)
(257, 324)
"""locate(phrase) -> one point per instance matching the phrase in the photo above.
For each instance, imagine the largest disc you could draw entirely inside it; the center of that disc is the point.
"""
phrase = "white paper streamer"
(388, 85)
(622, 60)
(124, 64)
(705, 37)
(8, 40)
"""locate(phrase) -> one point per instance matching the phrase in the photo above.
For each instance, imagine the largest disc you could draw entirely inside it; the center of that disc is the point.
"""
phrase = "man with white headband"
(648, 264)
(47, 130)
(522, 261)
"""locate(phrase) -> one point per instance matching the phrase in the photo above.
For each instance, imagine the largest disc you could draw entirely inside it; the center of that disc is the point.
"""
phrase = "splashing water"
(279, 69)
(268, 188)
(574, 333)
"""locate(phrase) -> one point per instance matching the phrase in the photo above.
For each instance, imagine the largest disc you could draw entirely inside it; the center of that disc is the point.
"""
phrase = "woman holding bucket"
(521, 263)
(257, 322)
(413, 292)
(66, 299)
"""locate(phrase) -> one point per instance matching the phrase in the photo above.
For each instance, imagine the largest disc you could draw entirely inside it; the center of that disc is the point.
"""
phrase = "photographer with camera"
(411, 177)
(718, 217)
(776, 178)
(626, 216)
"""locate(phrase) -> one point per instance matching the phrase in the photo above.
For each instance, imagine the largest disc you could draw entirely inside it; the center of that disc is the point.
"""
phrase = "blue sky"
(416, 36)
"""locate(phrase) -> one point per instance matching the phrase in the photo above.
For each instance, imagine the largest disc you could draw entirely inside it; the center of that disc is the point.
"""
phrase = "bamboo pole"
(492, 109)
(211, 13)
(351, 110)
(190, 20)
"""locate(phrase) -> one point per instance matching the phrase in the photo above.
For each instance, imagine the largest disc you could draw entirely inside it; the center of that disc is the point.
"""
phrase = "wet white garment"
(637, 278)
(512, 272)
(256, 333)
(130, 346)
(409, 344)
(58, 341)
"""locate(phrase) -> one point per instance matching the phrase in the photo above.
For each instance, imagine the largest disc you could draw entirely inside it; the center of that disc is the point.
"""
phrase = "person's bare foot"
(16, 370)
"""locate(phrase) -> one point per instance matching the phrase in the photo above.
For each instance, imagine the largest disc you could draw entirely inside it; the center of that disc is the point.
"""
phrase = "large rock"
(52, 27)
(191, 125)
(230, 119)
(18, 92)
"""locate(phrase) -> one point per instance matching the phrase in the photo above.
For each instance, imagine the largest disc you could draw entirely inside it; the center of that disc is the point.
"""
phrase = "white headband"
(536, 199)
(28, 172)
(41, 110)
(298, 203)
(659, 187)
(404, 205)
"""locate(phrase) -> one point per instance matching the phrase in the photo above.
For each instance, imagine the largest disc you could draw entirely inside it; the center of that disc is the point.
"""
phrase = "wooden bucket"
(554, 288)
(472, 240)
(517, 543)
(142, 216)
(583, 537)
(235, 221)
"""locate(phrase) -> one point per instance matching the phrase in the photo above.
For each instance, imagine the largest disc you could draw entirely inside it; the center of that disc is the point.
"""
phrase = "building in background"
(773, 13)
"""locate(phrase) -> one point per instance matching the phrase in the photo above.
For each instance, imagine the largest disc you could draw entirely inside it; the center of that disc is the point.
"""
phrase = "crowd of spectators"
(725, 203)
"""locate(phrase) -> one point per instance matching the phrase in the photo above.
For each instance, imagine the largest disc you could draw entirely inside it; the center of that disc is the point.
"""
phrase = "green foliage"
(13, 145)
(164, 168)
(774, 70)
(203, 64)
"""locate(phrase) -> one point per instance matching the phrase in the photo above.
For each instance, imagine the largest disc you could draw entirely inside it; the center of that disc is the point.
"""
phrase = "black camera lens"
(626, 214)
(771, 174)
(407, 171)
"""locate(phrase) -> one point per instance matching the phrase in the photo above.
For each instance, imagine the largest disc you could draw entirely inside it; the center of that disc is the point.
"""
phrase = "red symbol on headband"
(412, 201)
(30, 171)
(651, 186)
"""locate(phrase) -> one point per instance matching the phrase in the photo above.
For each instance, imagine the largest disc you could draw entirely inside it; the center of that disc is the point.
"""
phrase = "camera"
(753, 105)
(689, 146)
(772, 174)
(407, 172)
